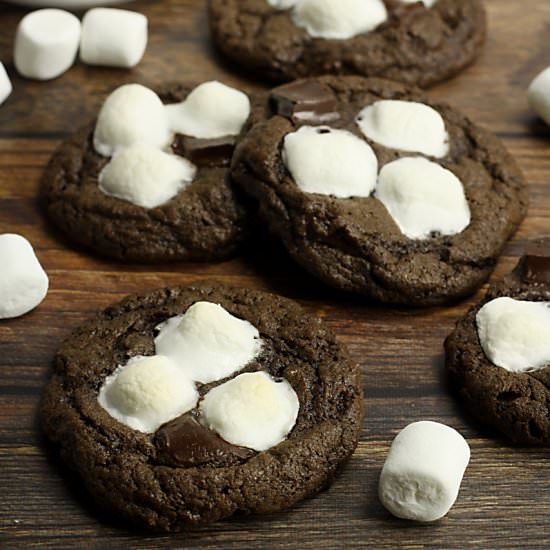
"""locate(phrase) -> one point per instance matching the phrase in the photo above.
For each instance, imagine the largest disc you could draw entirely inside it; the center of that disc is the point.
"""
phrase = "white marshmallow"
(23, 282)
(539, 95)
(113, 37)
(5, 84)
(423, 197)
(282, 4)
(147, 392)
(330, 162)
(211, 110)
(515, 334)
(423, 471)
(405, 125)
(427, 3)
(207, 342)
(252, 410)
(131, 114)
(145, 176)
(46, 43)
(339, 19)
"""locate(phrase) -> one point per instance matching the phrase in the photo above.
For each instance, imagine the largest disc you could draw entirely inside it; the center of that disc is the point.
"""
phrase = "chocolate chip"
(534, 266)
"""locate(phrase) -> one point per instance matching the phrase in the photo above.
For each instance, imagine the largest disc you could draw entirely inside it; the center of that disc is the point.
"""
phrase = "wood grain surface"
(505, 497)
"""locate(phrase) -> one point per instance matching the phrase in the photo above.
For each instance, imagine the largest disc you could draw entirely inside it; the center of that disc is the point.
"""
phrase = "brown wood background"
(505, 496)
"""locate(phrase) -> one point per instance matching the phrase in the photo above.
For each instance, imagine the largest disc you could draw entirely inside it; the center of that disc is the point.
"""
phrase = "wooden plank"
(504, 501)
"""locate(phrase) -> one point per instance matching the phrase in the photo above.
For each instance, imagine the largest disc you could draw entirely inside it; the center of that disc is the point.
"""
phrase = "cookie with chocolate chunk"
(498, 355)
(200, 219)
(414, 42)
(278, 410)
(377, 189)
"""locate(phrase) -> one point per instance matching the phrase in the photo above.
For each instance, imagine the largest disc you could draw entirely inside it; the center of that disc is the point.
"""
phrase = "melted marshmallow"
(252, 410)
(131, 115)
(207, 342)
(330, 162)
(145, 176)
(147, 392)
(423, 197)
(211, 110)
(339, 19)
(405, 125)
(515, 334)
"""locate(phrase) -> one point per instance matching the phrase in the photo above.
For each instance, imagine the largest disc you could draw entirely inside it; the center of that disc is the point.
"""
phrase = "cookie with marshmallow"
(417, 42)
(207, 400)
(147, 180)
(498, 356)
(375, 188)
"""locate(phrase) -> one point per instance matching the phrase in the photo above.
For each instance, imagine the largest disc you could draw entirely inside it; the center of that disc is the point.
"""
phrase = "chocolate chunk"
(534, 266)
(305, 101)
(205, 152)
(186, 442)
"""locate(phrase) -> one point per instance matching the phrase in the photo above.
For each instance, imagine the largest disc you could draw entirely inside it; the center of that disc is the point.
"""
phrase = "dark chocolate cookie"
(415, 45)
(354, 243)
(206, 221)
(183, 474)
(517, 404)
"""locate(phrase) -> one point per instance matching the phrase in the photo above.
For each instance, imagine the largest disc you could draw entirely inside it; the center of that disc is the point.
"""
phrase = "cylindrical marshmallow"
(539, 95)
(46, 43)
(23, 282)
(421, 477)
(113, 37)
(5, 84)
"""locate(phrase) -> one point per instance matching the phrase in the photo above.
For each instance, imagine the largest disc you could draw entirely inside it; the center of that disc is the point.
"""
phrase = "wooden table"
(505, 496)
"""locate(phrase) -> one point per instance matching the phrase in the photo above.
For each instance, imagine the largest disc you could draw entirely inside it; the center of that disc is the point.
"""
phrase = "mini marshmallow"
(423, 471)
(212, 110)
(339, 19)
(46, 43)
(147, 392)
(145, 176)
(515, 334)
(5, 84)
(423, 198)
(131, 114)
(405, 125)
(207, 342)
(539, 95)
(113, 37)
(330, 162)
(253, 410)
(23, 282)
(282, 4)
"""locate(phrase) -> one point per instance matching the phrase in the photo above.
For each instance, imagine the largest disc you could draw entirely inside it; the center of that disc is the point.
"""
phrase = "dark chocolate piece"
(305, 101)
(205, 152)
(186, 442)
(534, 266)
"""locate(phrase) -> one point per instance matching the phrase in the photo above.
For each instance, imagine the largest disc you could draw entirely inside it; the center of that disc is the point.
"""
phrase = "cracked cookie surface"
(148, 478)
(354, 244)
(416, 45)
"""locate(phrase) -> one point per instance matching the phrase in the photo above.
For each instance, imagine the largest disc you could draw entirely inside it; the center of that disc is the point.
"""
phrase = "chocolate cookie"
(351, 240)
(204, 221)
(513, 397)
(182, 473)
(412, 43)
